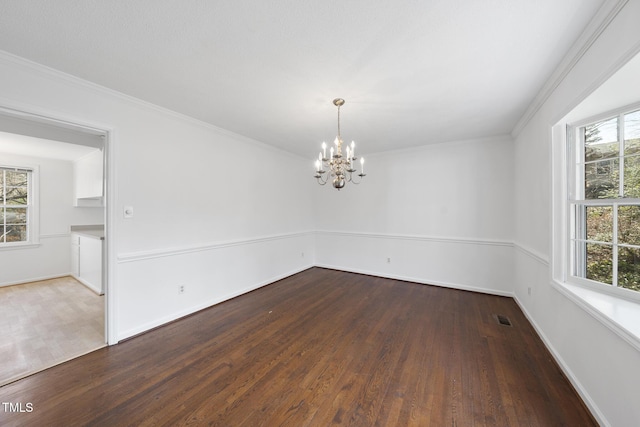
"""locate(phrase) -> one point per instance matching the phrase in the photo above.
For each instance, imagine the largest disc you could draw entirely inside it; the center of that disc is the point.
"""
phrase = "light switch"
(128, 211)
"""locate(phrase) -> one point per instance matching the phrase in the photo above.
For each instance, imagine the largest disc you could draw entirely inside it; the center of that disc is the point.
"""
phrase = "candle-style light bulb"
(319, 161)
(324, 150)
(331, 152)
(362, 165)
(353, 149)
(317, 166)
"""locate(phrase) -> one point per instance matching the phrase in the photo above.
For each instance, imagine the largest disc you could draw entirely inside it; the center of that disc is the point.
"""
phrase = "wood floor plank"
(319, 348)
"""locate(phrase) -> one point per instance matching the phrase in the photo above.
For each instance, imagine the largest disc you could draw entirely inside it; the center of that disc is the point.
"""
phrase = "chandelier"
(339, 168)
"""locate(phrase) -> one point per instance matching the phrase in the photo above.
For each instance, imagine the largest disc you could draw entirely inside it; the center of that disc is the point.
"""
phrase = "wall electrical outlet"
(181, 289)
(388, 260)
(529, 291)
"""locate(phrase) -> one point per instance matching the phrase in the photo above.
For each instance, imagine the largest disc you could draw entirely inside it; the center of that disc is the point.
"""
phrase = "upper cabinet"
(89, 180)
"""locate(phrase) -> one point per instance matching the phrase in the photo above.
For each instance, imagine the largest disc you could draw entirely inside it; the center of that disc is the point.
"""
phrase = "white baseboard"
(206, 304)
(90, 286)
(34, 279)
(586, 398)
(420, 280)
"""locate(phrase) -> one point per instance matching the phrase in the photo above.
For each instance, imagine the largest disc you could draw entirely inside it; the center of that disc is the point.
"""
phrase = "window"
(16, 205)
(604, 201)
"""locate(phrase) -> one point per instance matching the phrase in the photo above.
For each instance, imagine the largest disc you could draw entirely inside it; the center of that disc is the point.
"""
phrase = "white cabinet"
(86, 261)
(89, 180)
(75, 255)
(91, 262)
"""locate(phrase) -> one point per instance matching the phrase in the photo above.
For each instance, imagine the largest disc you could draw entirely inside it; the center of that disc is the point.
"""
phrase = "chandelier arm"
(352, 180)
(318, 177)
(320, 180)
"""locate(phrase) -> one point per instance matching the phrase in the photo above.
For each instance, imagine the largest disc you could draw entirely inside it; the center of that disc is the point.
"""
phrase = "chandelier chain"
(339, 137)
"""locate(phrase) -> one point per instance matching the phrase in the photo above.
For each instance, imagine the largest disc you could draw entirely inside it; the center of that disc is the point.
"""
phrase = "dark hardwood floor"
(319, 348)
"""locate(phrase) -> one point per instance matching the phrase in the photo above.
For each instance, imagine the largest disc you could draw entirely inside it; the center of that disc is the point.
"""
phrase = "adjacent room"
(51, 294)
(319, 213)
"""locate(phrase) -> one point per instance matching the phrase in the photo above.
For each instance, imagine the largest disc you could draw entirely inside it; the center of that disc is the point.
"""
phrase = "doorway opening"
(54, 286)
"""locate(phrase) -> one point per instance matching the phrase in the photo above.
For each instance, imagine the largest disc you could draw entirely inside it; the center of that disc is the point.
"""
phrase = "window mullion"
(580, 245)
(577, 182)
(621, 154)
(614, 251)
(3, 231)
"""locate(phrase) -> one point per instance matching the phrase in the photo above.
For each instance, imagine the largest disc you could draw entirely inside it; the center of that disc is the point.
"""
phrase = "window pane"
(600, 263)
(629, 268)
(599, 223)
(16, 233)
(16, 215)
(632, 176)
(601, 140)
(602, 179)
(16, 196)
(629, 225)
(18, 179)
(14, 210)
(632, 133)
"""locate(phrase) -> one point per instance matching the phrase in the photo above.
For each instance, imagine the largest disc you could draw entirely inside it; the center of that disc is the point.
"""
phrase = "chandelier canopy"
(339, 168)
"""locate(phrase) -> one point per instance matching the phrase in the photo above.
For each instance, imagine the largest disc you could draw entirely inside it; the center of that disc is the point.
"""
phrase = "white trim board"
(419, 281)
(204, 305)
(441, 239)
(70, 79)
(187, 249)
(605, 15)
(35, 279)
(595, 411)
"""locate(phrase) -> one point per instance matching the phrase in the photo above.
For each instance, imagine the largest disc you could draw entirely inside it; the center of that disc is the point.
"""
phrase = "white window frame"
(617, 309)
(33, 218)
(573, 199)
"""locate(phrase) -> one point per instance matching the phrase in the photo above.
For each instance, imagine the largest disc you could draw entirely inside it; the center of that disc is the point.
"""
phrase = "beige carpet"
(46, 323)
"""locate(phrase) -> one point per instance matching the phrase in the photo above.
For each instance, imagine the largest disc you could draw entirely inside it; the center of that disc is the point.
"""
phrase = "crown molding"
(70, 79)
(596, 26)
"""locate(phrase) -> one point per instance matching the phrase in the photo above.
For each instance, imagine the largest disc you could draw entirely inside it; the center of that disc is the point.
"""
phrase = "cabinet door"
(89, 176)
(91, 262)
(75, 255)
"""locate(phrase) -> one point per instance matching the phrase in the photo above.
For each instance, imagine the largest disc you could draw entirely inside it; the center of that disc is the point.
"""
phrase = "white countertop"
(93, 231)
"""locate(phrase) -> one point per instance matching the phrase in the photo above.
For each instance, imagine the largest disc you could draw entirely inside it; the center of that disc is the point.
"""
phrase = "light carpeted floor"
(46, 323)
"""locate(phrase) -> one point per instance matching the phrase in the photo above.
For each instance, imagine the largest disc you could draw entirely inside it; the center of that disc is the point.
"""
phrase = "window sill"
(620, 315)
(14, 246)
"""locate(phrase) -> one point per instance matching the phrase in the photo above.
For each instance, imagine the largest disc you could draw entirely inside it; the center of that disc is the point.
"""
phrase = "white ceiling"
(38, 147)
(412, 72)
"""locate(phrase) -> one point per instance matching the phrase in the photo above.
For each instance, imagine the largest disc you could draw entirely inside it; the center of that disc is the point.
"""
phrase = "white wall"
(603, 366)
(52, 257)
(442, 214)
(224, 228)
(213, 211)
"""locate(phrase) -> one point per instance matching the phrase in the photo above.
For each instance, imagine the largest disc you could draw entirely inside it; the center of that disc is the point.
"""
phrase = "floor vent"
(503, 320)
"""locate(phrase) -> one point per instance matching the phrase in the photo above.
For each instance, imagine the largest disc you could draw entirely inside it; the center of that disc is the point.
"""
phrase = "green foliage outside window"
(602, 177)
